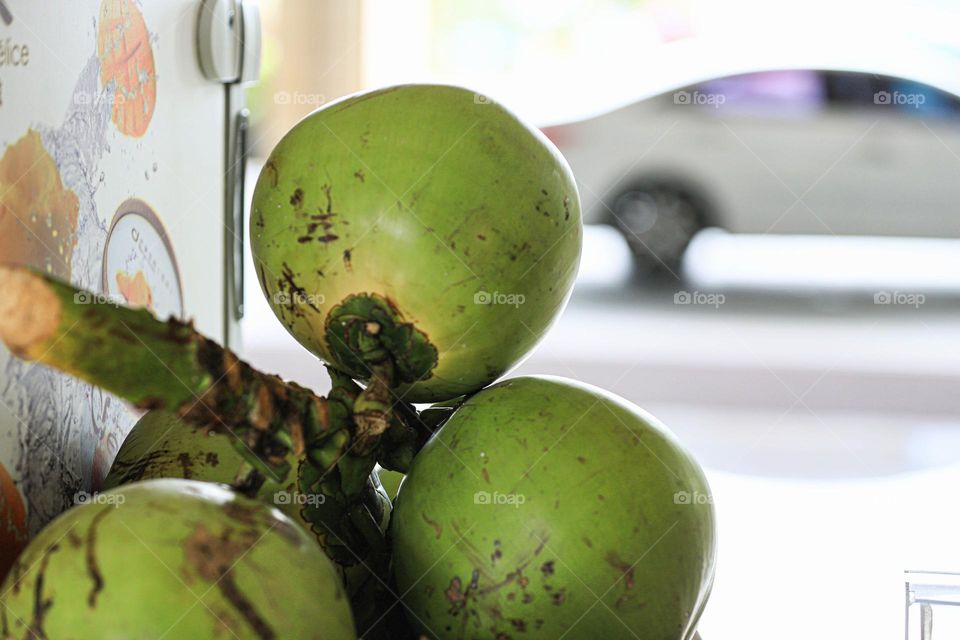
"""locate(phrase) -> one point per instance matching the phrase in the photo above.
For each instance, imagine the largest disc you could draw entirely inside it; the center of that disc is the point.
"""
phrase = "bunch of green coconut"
(420, 242)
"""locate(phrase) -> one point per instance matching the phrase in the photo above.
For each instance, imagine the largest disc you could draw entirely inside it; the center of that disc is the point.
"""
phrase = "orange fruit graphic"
(126, 59)
(13, 522)
(38, 215)
(135, 289)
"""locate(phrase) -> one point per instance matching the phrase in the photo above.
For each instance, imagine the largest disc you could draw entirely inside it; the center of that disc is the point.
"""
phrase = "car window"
(860, 90)
(798, 93)
(767, 94)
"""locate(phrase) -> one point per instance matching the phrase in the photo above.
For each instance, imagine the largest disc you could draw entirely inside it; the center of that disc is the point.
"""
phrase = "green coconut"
(423, 224)
(160, 445)
(173, 559)
(545, 508)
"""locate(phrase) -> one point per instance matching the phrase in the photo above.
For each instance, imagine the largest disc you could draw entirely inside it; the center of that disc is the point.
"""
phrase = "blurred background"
(772, 263)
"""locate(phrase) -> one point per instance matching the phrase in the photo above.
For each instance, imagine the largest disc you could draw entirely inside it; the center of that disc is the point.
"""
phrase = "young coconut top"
(417, 234)
(174, 559)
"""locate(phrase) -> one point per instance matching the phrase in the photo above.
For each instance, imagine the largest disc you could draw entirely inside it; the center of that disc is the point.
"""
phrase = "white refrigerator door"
(112, 164)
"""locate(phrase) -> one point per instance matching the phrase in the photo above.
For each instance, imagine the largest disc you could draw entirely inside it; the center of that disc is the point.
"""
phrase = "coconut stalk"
(168, 365)
(160, 365)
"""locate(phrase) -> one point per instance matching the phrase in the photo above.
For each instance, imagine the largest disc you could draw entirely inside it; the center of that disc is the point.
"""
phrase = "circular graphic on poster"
(139, 268)
(126, 64)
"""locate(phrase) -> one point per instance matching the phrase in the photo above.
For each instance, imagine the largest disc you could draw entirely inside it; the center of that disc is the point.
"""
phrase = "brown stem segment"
(373, 407)
(165, 365)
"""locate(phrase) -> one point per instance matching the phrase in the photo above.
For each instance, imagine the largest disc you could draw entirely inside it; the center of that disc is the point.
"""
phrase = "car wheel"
(658, 222)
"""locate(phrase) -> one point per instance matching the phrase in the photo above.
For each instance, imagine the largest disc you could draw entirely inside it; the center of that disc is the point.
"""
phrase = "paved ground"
(829, 422)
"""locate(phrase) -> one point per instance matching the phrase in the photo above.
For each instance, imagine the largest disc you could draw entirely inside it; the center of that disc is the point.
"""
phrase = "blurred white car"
(792, 151)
